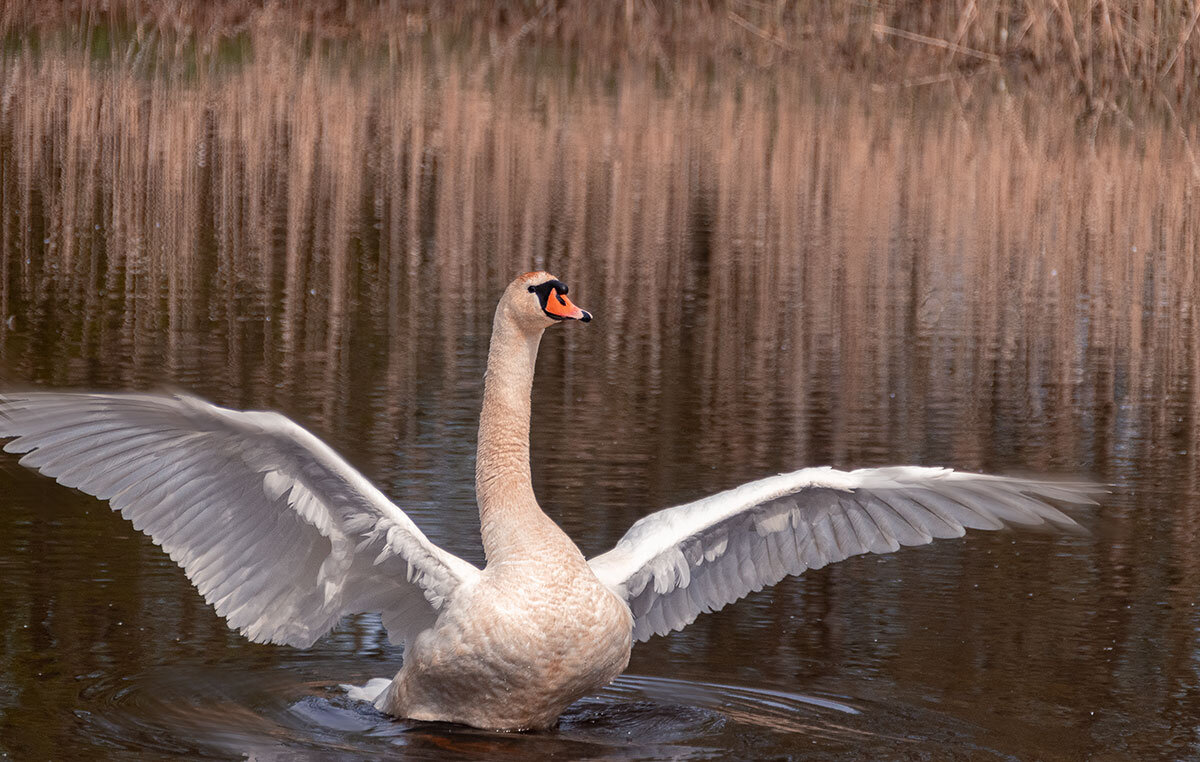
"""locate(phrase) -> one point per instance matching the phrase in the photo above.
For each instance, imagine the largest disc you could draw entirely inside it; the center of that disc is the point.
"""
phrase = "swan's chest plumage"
(514, 650)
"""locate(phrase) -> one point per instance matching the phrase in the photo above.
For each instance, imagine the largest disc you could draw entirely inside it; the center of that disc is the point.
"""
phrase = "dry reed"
(1118, 55)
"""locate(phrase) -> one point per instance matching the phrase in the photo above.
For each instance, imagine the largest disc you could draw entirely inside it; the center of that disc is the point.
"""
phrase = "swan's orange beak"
(560, 307)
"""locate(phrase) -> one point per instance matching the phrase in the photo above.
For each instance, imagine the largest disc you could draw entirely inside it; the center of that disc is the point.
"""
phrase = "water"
(786, 270)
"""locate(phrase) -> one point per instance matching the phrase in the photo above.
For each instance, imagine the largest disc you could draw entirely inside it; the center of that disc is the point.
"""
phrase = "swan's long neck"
(511, 522)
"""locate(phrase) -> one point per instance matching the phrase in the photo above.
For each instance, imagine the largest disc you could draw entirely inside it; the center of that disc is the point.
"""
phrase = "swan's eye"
(543, 290)
(552, 295)
(533, 289)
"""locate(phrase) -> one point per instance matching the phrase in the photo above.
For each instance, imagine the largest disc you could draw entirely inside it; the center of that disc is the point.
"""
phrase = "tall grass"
(1115, 54)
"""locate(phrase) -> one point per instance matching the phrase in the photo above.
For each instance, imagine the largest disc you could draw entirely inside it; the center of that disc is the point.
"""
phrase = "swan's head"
(539, 300)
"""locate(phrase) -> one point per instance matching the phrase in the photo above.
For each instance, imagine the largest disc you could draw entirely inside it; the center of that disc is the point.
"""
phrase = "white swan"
(284, 538)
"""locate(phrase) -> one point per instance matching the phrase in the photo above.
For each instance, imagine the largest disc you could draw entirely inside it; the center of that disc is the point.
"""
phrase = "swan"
(284, 538)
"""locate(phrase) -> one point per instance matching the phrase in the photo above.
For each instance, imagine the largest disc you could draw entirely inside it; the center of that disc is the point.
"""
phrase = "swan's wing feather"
(277, 532)
(678, 563)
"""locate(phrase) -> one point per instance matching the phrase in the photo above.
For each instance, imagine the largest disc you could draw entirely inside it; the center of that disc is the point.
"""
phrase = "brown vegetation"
(1113, 53)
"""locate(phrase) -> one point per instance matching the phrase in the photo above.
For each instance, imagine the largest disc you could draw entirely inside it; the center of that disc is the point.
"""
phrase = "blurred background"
(960, 234)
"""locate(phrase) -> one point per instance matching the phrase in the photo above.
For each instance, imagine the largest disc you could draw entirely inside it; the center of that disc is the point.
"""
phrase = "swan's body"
(521, 644)
(284, 538)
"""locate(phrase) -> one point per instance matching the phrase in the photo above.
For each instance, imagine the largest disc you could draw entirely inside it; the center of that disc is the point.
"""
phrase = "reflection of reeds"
(292, 215)
(303, 233)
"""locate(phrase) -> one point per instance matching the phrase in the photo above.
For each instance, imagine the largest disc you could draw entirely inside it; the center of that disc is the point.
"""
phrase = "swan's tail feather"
(369, 692)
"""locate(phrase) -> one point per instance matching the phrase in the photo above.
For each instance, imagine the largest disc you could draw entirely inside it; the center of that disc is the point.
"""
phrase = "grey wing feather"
(277, 532)
(678, 563)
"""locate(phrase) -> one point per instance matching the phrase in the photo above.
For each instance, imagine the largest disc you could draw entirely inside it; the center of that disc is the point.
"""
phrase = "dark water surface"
(785, 272)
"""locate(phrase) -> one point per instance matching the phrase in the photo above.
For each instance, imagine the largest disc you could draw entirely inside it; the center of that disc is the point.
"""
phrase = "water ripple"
(220, 713)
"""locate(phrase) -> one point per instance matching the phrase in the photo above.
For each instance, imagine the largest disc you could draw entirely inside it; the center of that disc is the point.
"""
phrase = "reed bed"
(1117, 55)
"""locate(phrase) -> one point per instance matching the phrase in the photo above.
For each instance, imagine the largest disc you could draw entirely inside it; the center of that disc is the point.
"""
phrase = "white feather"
(754, 535)
(280, 534)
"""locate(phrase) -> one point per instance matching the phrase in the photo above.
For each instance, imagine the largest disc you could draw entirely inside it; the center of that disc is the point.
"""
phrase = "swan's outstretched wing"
(678, 563)
(278, 533)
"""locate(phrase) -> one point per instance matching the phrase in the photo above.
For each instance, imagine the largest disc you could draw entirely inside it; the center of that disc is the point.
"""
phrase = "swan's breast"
(516, 648)
(558, 627)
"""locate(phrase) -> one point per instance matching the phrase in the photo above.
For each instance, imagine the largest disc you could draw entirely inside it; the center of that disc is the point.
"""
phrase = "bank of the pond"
(1109, 57)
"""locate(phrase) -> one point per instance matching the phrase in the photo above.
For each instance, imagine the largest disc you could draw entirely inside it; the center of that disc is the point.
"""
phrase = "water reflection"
(785, 272)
